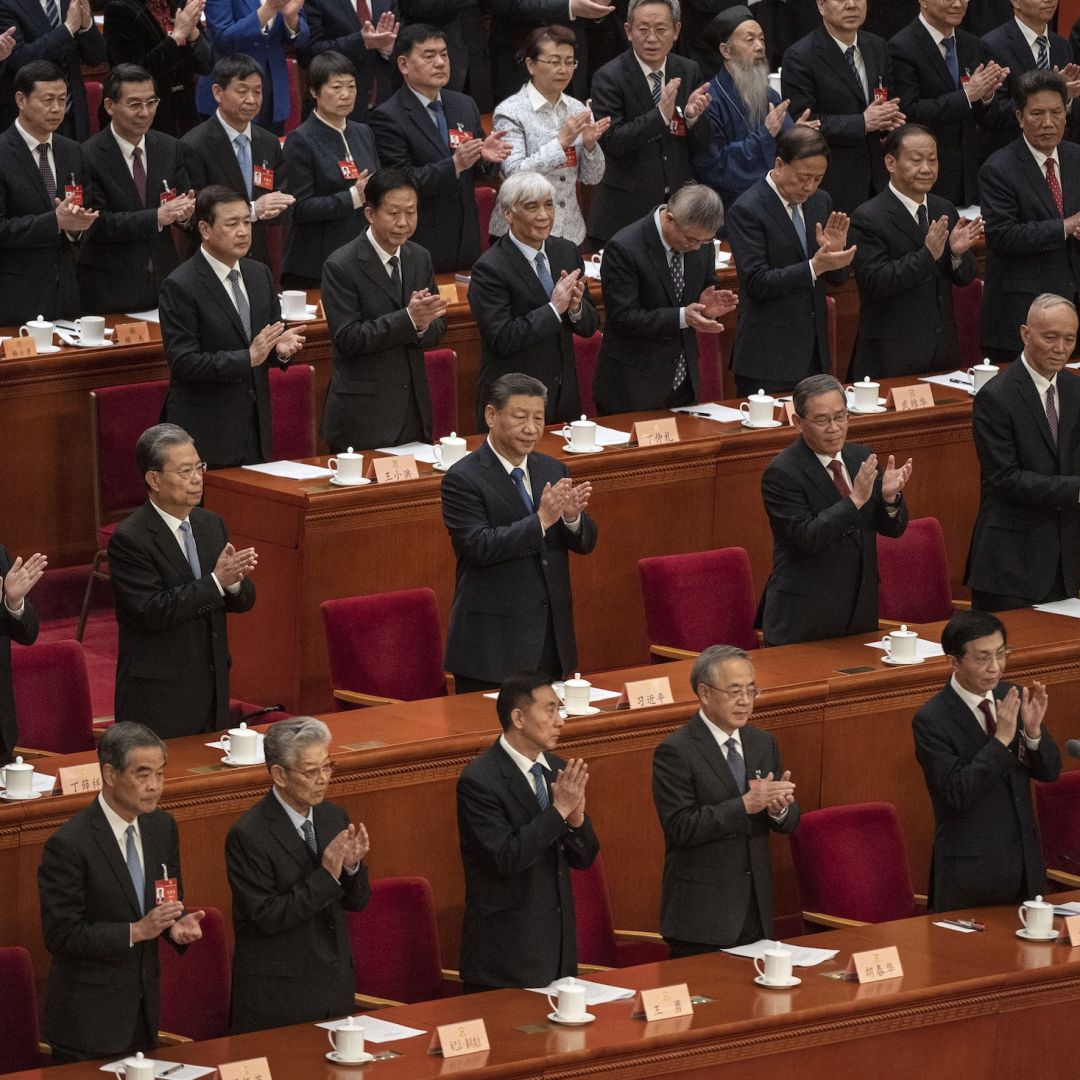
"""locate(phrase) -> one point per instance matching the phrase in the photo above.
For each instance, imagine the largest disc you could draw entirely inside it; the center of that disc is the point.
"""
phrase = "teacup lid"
(760, 396)
(39, 321)
(867, 381)
(905, 632)
(18, 763)
(348, 453)
(576, 679)
(583, 420)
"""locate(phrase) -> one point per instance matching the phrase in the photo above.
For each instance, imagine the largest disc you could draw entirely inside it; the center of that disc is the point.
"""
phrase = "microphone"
(1072, 748)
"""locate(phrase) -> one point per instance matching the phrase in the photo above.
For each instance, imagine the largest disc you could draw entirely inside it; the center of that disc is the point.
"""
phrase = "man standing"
(175, 575)
(980, 742)
(719, 789)
(18, 622)
(522, 827)
(530, 298)
(660, 291)
(295, 866)
(513, 516)
(911, 248)
(383, 309)
(1025, 548)
(99, 914)
(826, 503)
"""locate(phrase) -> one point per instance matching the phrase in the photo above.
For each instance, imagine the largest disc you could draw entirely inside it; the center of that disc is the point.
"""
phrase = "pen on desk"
(704, 415)
(961, 382)
(967, 924)
(169, 1072)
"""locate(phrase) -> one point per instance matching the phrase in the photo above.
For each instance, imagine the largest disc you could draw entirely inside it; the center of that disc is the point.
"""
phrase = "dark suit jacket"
(462, 21)
(1029, 490)
(816, 76)
(906, 322)
(25, 632)
(292, 961)
(984, 825)
(782, 314)
(98, 981)
(214, 392)
(927, 95)
(378, 358)
(1027, 252)
(448, 224)
(509, 574)
(518, 329)
(824, 579)
(172, 667)
(715, 854)
(323, 216)
(645, 161)
(125, 256)
(519, 927)
(642, 340)
(37, 261)
(987, 15)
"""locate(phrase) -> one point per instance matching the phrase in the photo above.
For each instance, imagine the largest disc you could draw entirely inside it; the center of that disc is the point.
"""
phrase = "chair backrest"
(52, 697)
(699, 599)
(386, 644)
(851, 861)
(711, 384)
(440, 366)
(292, 411)
(586, 353)
(196, 984)
(485, 207)
(395, 941)
(1058, 807)
(19, 1046)
(292, 121)
(914, 574)
(592, 910)
(93, 90)
(967, 311)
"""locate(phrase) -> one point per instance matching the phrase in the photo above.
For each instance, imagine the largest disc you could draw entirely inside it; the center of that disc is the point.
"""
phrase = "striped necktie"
(1042, 61)
(138, 878)
(540, 785)
(656, 78)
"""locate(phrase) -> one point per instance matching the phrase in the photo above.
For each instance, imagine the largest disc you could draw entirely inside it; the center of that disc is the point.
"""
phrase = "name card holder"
(646, 693)
(132, 333)
(1072, 930)
(391, 470)
(449, 293)
(252, 1069)
(875, 965)
(909, 398)
(76, 779)
(663, 1003)
(789, 412)
(456, 1040)
(655, 432)
(18, 348)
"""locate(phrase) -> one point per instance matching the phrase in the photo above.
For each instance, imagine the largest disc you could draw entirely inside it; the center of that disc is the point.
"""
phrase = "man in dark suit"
(295, 866)
(842, 74)
(945, 83)
(719, 790)
(1031, 206)
(221, 325)
(522, 827)
(18, 622)
(656, 100)
(230, 150)
(980, 742)
(462, 21)
(175, 575)
(101, 915)
(383, 309)
(529, 297)
(434, 136)
(64, 33)
(513, 516)
(827, 502)
(911, 248)
(787, 244)
(1025, 548)
(660, 291)
(139, 184)
(41, 211)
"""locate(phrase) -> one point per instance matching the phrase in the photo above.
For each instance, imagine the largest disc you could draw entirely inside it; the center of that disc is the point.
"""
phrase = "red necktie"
(1054, 186)
(837, 470)
(138, 173)
(363, 12)
(988, 716)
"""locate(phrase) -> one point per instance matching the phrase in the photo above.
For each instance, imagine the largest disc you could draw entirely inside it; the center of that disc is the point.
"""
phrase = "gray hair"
(671, 5)
(1047, 300)
(697, 206)
(287, 738)
(811, 387)
(709, 660)
(522, 187)
(120, 739)
(153, 446)
(507, 386)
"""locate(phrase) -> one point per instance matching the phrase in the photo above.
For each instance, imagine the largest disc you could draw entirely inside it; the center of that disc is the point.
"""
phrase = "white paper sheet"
(42, 782)
(607, 436)
(291, 470)
(419, 450)
(958, 929)
(801, 955)
(592, 270)
(1072, 908)
(595, 993)
(595, 693)
(960, 379)
(378, 1031)
(146, 316)
(711, 411)
(923, 647)
(182, 1072)
(1070, 607)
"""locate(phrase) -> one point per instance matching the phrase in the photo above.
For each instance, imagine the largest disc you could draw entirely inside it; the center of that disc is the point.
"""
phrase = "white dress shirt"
(32, 144)
(509, 466)
(860, 66)
(174, 524)
(231, 132)
(791, 209)
(668, 249)
(722, 738)
(522, 762)
(973, 701)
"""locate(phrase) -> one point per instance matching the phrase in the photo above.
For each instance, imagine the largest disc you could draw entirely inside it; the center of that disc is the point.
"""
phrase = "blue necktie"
(544, 274)
(243, 308)
(439, 113)
(540, 785)
(243, 159)
(190, 550)
(519, 479)
(800, 227)
(135, 869)
(950, 59)
(1042, 61)
(736, 765)
(655, 77)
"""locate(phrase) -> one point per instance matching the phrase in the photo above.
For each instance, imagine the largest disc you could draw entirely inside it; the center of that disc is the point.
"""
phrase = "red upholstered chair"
(967, 311)
(384, 648)
(52, 698)
(195, 984)
(292, 121)
(441, 368)
(696, 600)
(93, 90)
(914, 576)
(485, 207)
(851, 866)
(246, 712)
(599, 944)
(586, 353)
(118, 416)
(1058, 808)
(19, 1046)
(395, 946)
(711, 385)
(292, 411)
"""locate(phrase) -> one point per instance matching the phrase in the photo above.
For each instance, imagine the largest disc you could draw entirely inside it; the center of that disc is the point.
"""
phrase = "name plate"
(664, 1002)
(908, 398)
(17, 348)
(1072, 929)
(76, 779)
(646, 693)
(389, 470)
(252, 1069)
(131, 333)
(876, 965)
(656, 432)
(789, 412)
(457, 1040)
(449, 293)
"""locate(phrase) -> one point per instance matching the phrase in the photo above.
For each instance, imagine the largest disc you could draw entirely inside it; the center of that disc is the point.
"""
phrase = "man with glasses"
(980, 742)
(827, 501)
(720, 789)
(295, 866)
(175, 575)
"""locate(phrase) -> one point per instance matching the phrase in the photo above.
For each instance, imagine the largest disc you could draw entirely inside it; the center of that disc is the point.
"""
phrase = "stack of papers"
(378, 1031)
(291, 470)
(801, 955)
(606, 436)
(1070, 607)
(954, 378)
(172, 1069)
(711, 411)
(595, 993)
(420, 450)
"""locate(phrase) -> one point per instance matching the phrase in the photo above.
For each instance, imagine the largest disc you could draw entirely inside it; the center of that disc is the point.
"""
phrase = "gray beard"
(752, 84)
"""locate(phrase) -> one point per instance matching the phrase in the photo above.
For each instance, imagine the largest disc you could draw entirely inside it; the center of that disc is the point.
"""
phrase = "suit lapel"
(424, 124)
(166, 543)
(776, 208)
(933, 55)
(112, 160)
(964, 718)
(281, 828)
(1032, 399)
(1035, 177)
(110, 853)
(830, 55)
(817, 474)
(658, 257)
(372, 267)
(904, 222)
(22, 154)
(500, 480)
(516, 782)
(217, 291)
(637, 82)
(712, 754)
(222, 149)
(517, 262)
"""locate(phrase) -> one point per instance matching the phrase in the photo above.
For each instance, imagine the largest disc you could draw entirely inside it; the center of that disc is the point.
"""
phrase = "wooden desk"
(969, 1006)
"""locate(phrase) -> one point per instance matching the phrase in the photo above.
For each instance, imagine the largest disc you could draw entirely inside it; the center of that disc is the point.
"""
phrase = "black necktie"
(395, 275)
(924, 219)
(849, 55)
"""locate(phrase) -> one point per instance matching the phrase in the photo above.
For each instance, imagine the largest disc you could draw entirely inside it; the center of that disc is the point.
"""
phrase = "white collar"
(116, 822)
(826, 460)
(937, 35)
(1040, 157)
(231, 131)
(294, 815)
(841, 45)
(720, 735)
(174, 523)
(384, 255)
(537, 100)
(223, 270)
(971, 700)
(519, 759)
(648, 71)
(1042, 383)
(527, 250)
(910, 205)
(668, 249)
(127, 148)
(333, 127)
(30, 140)
(1030, 35)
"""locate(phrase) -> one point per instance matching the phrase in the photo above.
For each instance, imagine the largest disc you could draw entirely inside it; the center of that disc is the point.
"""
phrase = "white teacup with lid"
(576, 695)
(347, 467)
(901, 646)
(19, 779)
(758, 409)
(243, 744)
(449, 449)
(138, 1068)
(981, 374)
(865, 395)
(40, 329)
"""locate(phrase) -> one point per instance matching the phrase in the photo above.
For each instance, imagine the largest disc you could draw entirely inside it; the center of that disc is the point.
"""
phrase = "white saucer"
(582, 449)
(341, 483)
(761, 427)
(590, 710)
(47, 350)
(867, 412)
(554, 1017)
(793, 981)
(299, 318)
(337, 1059)
(1023, 933)
(91, 344)
(227, 760)
(15, 798)
(903, 663)
(438, 466)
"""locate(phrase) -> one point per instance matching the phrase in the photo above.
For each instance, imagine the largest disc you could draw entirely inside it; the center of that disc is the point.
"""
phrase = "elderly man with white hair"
(529, 297)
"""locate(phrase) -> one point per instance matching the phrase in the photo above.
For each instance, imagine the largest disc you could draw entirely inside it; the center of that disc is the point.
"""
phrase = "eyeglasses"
(142, 106)
(313, 774)
(558, 62)
(988, 659)
(736, 692)
(186, 472)
(839, 419)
